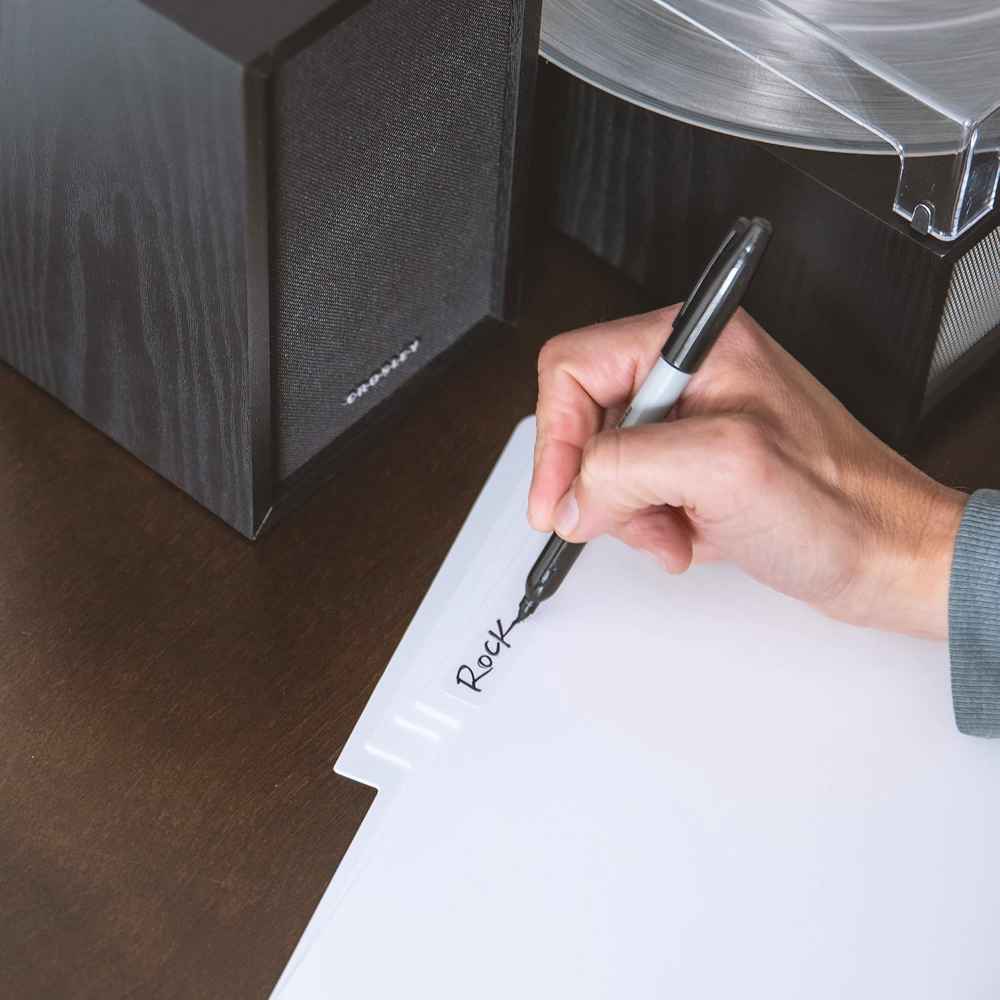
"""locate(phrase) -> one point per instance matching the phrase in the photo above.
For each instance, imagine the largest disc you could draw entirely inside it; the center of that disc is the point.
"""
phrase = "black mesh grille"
(386, 144)
(972, 308)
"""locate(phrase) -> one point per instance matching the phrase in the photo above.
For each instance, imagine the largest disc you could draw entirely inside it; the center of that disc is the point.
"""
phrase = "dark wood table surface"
(172, 698)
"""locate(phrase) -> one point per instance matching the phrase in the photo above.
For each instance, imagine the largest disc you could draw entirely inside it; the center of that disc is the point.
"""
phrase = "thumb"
(624, 473)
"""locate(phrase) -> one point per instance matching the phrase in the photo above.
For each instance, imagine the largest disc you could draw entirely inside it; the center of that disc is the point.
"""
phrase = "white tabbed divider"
(411, 715)
(664, 787)
(418, 707)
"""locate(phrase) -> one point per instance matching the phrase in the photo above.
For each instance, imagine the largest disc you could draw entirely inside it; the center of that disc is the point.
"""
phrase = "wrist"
(916, 557)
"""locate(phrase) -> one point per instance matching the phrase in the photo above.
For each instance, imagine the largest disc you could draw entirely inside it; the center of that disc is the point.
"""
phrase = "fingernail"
(567, 514)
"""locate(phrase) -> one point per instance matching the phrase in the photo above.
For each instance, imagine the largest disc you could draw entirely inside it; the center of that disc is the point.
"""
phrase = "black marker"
(704, 315)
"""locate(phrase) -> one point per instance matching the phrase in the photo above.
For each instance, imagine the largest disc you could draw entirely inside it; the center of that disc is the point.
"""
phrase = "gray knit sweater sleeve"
(974, 617)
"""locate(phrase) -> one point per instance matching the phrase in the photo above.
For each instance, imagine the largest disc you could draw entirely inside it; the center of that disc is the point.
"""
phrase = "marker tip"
(524, 611)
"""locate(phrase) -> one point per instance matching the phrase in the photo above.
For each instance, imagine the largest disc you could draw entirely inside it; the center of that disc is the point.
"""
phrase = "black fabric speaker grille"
(386, 144)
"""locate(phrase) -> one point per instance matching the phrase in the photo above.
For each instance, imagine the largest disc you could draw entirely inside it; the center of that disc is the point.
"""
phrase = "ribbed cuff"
(974, 617)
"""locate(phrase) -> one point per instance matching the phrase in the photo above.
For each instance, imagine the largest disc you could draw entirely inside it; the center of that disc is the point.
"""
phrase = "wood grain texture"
(513, 189)
(204, 259)
(851, 293)
(172, 698)
(246, 29)
(122, 245)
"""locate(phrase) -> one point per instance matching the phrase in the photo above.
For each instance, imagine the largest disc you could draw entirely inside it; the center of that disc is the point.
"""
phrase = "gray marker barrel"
(661, 389)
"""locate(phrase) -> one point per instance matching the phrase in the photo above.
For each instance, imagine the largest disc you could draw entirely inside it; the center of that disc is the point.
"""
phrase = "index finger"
(581, 375)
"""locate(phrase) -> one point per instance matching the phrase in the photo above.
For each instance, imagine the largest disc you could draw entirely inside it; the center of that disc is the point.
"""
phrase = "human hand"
(758, 464)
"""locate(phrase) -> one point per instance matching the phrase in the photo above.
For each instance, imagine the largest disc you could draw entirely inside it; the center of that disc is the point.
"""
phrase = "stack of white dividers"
(655, 787)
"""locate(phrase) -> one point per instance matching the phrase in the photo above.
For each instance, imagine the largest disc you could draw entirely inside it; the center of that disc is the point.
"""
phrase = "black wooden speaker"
(228, 230)
(890, 320)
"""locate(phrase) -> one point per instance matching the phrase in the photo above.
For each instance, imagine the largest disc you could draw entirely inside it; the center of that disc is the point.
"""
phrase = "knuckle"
(545, 355)
(665, 316)
(552, 353)
(602, 457)
(744, 330)
(733, 373)
(743, 342)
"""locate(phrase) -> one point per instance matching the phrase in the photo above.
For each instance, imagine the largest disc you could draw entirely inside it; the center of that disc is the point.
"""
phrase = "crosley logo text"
(387, 369)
